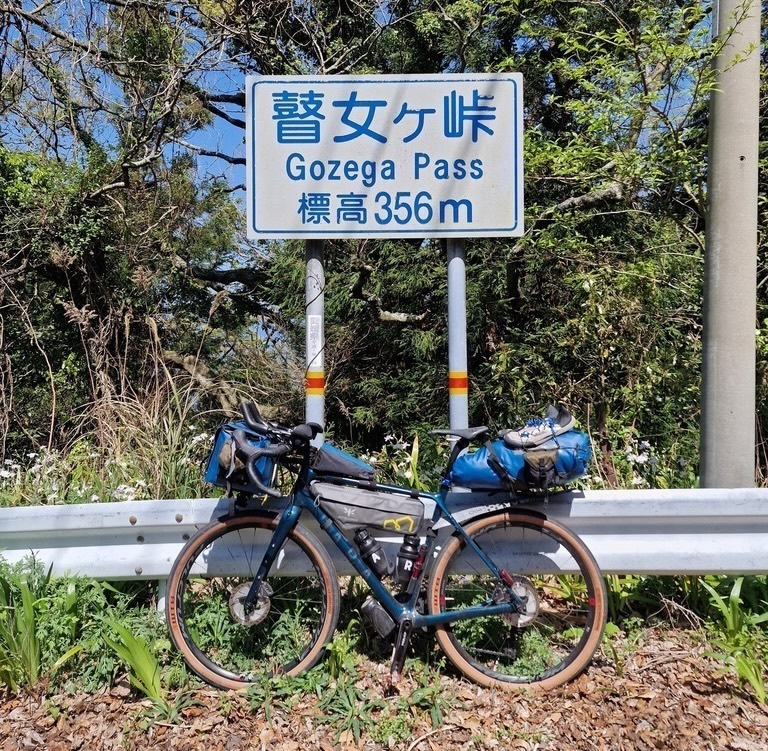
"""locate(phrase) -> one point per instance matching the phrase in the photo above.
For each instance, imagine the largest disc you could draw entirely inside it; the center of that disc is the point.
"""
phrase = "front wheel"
(559, 583)
(294, 618)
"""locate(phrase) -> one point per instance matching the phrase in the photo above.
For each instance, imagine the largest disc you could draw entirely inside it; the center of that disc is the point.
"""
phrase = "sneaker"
(540, 429)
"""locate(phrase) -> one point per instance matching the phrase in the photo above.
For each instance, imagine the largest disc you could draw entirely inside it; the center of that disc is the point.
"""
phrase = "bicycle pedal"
(392, 687)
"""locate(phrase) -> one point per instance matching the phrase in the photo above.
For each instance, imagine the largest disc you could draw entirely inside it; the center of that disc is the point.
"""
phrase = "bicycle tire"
(209, 580)
(556, 644)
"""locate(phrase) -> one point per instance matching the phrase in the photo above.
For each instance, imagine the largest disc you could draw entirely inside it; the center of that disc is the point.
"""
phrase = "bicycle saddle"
(468, 434)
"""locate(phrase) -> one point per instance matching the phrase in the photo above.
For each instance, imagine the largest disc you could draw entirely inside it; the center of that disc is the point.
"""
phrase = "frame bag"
(355, 508)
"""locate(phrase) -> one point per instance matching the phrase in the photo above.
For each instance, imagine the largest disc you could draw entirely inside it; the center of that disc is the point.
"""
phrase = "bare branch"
(358, 292)
(208, 152)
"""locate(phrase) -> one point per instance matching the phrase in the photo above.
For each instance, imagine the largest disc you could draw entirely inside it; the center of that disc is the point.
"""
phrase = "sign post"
(385, 157)
(315, 336)
(458, 376)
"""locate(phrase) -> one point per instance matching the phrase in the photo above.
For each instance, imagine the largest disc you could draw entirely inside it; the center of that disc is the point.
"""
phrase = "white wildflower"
(124, 493)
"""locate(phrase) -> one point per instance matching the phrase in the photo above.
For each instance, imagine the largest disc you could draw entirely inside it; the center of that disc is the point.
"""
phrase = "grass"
(348, 701)
(22, 603)
(76, 634)
(152, 446)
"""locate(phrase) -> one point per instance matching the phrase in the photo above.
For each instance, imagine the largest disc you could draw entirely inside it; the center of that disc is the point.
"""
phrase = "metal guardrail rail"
(629, 531)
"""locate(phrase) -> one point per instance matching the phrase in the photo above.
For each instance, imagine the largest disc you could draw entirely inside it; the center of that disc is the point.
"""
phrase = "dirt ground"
(664, 694)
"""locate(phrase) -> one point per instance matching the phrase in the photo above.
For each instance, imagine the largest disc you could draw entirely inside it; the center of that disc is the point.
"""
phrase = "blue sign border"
(417, 232)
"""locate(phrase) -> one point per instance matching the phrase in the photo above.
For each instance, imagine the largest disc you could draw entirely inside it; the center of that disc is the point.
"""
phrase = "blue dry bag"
(557, 461)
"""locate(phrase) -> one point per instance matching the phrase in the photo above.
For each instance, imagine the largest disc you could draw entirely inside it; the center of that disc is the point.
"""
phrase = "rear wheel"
(556, 577)
(294, 618)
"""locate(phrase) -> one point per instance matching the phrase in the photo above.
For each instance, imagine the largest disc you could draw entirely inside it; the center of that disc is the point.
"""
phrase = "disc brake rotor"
(260, 607)
(525, 590)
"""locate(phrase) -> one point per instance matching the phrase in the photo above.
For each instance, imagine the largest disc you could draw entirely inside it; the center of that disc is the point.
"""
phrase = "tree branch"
(207, 152)
(86, 47)
(248, 277)
(223, 115)
(358, 292)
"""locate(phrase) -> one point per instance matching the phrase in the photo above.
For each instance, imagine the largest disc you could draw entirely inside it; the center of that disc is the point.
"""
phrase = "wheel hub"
(525, 590)
(260, 608)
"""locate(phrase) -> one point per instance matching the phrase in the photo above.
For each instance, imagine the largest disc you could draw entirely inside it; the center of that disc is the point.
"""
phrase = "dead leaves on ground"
(666, 695)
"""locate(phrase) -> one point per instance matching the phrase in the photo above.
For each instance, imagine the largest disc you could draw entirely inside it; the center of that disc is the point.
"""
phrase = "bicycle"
(514, 598)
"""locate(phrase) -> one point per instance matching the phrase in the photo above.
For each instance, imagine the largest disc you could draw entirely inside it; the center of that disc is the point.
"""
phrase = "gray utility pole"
(315, 337)
(730, 268)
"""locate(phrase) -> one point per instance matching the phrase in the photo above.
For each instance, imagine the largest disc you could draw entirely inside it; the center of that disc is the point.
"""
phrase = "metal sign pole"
(315, 335)
(458, 382)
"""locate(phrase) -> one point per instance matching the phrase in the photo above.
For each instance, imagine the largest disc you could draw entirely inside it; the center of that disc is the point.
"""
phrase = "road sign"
(384, 156)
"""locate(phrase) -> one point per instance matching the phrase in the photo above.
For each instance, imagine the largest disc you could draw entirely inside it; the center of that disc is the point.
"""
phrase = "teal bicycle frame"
(401, 612)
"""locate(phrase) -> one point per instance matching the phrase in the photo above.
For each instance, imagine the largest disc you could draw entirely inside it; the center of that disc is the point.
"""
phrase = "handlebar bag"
(558, 461)
(354, 508)
(226, 469)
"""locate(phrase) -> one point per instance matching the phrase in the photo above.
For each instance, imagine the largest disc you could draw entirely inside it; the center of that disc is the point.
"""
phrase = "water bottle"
(372, 553)
(406, 556)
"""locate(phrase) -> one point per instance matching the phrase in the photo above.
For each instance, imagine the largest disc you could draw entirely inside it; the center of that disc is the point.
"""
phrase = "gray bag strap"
(507, 482)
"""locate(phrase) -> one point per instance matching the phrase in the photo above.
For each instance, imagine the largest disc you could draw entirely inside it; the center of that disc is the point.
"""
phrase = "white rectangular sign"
(384, 156)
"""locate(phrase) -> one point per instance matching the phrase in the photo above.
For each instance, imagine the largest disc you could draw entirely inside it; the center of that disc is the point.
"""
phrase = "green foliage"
(341, 659)
(743, 647)
(144, 669)
(26, 655)
(52, 629)
(432, 699)
(598, 306)
(343, 699)
(418, 465)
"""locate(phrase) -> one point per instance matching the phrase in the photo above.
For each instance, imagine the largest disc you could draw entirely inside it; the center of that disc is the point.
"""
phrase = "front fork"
(285, 525)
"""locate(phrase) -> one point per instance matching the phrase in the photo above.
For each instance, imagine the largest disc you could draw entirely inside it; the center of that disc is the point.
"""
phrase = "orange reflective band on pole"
(315, 382)
(458, 383)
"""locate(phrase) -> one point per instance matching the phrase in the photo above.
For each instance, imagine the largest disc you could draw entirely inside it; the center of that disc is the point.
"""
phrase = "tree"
(598, 305)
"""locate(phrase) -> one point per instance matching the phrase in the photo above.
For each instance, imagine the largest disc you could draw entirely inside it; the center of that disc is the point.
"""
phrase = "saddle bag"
(226, 467)
(557, 461)
(354, 508)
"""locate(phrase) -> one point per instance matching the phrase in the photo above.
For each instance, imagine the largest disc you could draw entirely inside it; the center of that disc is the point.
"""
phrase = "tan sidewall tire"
(591, 570)
(311, 546)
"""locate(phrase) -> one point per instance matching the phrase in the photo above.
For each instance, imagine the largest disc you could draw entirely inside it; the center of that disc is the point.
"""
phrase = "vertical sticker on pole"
(315, 380)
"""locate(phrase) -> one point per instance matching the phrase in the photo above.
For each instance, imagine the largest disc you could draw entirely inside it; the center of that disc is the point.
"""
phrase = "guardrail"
(629, 531)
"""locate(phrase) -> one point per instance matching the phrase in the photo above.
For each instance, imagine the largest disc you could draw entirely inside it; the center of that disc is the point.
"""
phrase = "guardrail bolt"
(185, 537)
(140, 538)
(179, 518)
(132, 519)
(139, 570)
